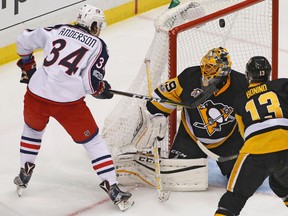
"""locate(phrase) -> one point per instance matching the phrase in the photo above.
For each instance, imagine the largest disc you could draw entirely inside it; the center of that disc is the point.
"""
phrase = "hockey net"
(182, 36)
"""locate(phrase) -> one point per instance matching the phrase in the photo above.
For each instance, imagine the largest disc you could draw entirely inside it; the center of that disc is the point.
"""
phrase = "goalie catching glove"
(150, 127)
(28, 68)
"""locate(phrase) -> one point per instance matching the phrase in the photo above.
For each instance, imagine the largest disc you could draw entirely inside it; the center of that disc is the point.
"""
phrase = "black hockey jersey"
(262, 115)
(213, 121)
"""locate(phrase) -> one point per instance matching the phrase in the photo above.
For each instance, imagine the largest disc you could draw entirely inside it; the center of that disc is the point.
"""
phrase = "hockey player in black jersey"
(262, 116)
(213, 121)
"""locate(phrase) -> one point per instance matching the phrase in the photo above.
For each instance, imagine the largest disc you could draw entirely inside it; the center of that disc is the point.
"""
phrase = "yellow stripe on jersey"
(240, 124)
(224, 88)
(171, 90)
(219, 214)
(236, 169)
(266, 142)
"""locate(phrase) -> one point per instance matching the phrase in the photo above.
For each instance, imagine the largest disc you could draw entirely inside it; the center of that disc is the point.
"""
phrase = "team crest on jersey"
(214, 115)
(196, 92)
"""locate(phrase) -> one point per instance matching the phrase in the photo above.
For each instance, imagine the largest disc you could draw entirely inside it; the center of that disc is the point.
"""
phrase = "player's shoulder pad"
(49, 28)
(235, 75)
(190, 74)
(194, 71)
(280, 82)
(103, 42)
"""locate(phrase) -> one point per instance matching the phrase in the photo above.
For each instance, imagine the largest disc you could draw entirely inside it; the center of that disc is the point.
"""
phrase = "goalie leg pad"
(176, 174)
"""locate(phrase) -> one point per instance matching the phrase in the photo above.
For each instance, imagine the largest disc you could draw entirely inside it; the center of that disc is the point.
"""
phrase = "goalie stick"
(213, 155)
(163, 196)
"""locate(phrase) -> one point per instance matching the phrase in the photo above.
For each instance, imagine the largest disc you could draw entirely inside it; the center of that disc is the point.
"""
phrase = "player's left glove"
(28, 68)
(103, 91)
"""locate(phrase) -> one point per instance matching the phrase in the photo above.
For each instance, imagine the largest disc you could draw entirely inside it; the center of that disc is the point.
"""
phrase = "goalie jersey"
(213, 121)
(81, 56)
(262, 114)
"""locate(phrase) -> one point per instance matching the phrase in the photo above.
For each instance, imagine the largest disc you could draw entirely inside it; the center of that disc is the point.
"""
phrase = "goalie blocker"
(176, 174)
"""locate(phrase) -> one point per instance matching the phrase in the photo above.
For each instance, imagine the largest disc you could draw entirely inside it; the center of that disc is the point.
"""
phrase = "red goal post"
(271, 11)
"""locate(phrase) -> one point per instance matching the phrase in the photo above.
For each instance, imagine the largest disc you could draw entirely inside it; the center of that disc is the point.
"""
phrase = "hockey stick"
(213, 155)
(153, 99)
(147, 63)
(162, 195)
(208, 91)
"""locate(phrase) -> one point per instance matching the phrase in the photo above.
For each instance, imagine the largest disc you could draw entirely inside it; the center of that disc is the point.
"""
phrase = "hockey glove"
(103, 91)
(28, 68)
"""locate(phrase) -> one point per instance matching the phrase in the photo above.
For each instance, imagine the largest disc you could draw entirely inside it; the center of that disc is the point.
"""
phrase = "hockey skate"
(21, 181)
(120, 198)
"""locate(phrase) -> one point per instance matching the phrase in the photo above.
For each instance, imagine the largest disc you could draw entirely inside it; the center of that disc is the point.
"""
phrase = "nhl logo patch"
(87, 133)
(196, 92)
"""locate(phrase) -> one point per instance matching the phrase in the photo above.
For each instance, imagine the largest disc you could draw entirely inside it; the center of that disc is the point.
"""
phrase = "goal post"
(182, 37)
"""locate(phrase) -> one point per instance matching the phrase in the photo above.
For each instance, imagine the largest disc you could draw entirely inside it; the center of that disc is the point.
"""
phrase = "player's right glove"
(28, 68)
(103, 91)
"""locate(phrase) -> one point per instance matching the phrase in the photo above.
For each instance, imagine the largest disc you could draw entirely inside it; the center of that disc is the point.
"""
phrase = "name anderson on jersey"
(84, 38)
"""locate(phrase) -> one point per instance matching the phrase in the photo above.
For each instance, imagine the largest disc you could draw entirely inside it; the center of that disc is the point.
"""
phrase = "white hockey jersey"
(74, 61)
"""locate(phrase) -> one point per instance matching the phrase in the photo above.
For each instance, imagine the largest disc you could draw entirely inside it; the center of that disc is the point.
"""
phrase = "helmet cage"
(215, 63)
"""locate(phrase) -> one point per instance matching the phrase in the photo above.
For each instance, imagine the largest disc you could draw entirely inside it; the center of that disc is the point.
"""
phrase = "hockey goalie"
(212, 121)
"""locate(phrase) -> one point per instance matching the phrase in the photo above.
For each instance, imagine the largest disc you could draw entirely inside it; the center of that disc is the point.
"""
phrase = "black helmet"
(258, 69)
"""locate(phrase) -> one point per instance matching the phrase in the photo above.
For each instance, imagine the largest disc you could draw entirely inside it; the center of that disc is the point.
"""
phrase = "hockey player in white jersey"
(73, 66)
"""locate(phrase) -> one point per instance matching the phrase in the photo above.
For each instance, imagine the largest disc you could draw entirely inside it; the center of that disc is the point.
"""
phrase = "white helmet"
(89, 14)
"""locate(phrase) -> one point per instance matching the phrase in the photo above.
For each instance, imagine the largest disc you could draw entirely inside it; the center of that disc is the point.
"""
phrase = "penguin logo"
(214, 115)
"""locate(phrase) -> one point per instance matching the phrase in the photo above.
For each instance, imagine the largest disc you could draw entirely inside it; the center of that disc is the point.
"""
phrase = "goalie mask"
(258, 69)
(215, 63)
(88, 15)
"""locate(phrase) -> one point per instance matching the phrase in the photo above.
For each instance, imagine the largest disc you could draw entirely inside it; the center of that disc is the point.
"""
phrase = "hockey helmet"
(258, 69)
(215, 63)
(89, 14)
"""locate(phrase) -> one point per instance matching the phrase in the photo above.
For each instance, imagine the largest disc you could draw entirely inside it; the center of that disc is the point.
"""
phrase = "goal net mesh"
(245, 33)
